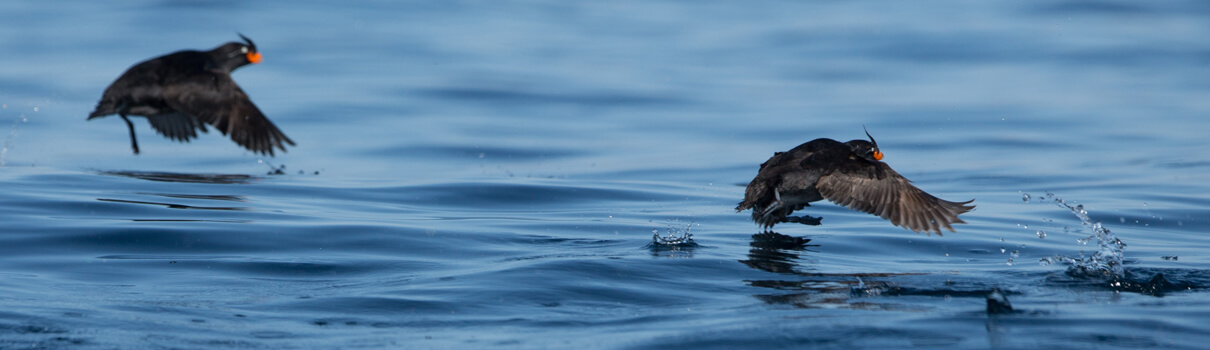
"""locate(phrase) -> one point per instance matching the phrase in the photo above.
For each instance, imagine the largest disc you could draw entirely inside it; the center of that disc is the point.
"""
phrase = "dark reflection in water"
(213, 197)
(183, 177)
(775, 252)
(834, 291)
(170, 205)
(193, 220)
(778, 253)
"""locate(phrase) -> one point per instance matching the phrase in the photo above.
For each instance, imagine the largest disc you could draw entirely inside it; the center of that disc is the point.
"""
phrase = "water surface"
(490, 175)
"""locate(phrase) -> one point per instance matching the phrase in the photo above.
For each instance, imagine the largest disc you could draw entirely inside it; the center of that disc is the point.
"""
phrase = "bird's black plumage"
(849, 174)
(179, 93)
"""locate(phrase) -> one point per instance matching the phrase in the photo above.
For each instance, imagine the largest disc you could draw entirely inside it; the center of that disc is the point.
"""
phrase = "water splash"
(1106, 261)
(673, 236)
(675, 240)
(675, 244)
(273, 170)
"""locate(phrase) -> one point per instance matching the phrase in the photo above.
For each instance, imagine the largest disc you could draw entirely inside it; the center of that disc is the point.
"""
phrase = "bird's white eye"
(243, 49)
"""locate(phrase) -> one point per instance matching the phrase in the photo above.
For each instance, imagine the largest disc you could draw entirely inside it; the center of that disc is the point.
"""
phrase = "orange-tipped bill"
(253, 56)
(878, 155)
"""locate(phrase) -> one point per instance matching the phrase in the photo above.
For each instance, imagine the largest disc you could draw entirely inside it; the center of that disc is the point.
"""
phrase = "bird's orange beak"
(253, 57)
(877, 155)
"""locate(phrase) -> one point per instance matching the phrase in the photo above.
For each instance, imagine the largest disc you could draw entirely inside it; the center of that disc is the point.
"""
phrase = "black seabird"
(179, 93)
(851, 174)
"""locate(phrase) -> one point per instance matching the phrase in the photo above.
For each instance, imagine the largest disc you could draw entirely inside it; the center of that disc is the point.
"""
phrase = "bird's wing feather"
(879, 190)
(176, 126)
(218, 101)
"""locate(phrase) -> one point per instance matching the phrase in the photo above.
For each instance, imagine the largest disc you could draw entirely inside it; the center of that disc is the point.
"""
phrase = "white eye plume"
(243, 49)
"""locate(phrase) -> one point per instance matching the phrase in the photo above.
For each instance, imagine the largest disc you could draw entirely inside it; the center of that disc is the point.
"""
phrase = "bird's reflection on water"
(183, 200)
(183, 177)
(171, 205)
(782, 254)
(775, 252)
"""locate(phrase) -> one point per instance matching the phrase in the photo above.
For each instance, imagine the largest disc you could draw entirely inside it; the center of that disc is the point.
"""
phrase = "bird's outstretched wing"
(879, 190)
(176, 126)
(218, 101)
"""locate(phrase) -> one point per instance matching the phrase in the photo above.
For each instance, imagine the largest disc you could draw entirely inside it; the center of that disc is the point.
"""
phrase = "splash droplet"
(1041, 234)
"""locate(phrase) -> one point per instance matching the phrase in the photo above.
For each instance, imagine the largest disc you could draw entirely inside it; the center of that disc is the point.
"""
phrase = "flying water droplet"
(1041, 234)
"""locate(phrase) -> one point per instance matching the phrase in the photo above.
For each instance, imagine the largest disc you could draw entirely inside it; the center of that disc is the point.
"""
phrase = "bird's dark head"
(233, 55)
(867, 150)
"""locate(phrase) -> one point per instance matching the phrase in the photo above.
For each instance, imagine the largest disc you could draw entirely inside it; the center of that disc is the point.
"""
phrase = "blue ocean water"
(491, 175)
